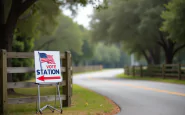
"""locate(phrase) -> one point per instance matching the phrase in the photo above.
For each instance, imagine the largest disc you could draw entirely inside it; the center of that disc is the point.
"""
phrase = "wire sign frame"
(48, 71)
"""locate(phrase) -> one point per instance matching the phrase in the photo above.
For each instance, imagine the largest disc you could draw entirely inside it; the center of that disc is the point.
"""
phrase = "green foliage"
(40, 19)
(87, 53)
(106, 53)
(174, 20)
(66, 37)
(136, 24)
(40, 22)
(87, 48)
(129, 22)
(22, 44)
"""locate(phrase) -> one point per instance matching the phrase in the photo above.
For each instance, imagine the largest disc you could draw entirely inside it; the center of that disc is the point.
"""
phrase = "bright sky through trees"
(83, 14)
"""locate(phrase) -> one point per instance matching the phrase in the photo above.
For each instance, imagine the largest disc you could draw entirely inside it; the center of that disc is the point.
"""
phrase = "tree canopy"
(137, 24)
(106, 53)
(66, 37)
(174, 20)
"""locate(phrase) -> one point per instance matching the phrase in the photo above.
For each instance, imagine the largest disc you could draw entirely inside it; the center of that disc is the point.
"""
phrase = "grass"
(167, 80)
(84, 102)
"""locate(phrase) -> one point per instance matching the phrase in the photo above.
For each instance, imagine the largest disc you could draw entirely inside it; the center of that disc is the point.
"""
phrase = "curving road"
(136, 97)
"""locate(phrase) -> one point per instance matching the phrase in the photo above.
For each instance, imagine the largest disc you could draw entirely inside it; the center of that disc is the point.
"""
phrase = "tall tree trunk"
(169, 57)
(8, 36)
(148, 58)
(8, 26)
(5, 38)
(177, 49)
(168, 47)
(169, 51)
(2, 24)
(155, 54)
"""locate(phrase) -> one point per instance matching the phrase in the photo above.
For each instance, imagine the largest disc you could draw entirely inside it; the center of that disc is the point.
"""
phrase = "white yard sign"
(47, 66)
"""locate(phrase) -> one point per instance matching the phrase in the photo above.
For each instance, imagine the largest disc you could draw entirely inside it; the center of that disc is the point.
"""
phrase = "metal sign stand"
(39, 110)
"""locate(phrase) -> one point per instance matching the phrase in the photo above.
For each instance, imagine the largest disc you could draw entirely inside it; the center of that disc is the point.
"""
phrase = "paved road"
(136, 97)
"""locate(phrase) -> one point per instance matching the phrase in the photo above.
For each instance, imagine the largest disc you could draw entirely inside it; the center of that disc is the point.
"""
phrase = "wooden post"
(141, 71)
(133, 70)
(179, 72)
(66, 90)
(148, 70)
(163, 71)
(152, 70)
(3, 83)
(125, 70)
(71, 69)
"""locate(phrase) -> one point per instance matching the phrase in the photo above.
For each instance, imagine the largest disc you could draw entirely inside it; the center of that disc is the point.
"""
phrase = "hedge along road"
(136, 97)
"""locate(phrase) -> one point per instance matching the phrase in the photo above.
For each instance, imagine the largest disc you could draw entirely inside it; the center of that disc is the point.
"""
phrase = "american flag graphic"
(46, 58)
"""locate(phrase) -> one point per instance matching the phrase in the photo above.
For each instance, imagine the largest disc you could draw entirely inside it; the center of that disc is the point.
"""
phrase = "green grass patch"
(84, 102)
(167, 80)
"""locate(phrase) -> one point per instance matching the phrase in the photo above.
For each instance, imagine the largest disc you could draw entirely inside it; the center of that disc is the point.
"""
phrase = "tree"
(40, 20)
(134, 22)
(12, 11)
(87, 48)
(174, 17)
(14, 17)
(22, 44)
(24, 35)
(107, 55)
(120, 23)
(8, 24)
(66, 37)
(85, 56)
(15, 10)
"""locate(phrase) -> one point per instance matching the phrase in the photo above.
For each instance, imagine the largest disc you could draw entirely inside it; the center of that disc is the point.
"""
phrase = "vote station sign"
(47, 66)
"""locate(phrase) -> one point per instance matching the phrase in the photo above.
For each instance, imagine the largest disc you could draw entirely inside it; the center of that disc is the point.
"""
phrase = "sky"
(83, 13)
(82, 17)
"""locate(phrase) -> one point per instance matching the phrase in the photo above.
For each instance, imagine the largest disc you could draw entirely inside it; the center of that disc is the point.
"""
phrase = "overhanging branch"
(162, 39)
(146, 56)
(2, 15)
(25, 5)
(178, 48)
(162, 45)
(47, 42)
(26, 16)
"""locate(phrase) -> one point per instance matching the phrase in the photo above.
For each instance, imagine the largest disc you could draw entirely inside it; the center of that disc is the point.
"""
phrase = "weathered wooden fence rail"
(164, 70)
(4, 85)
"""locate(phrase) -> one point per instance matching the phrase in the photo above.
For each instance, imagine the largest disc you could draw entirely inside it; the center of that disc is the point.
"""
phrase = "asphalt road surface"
(136, 97)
